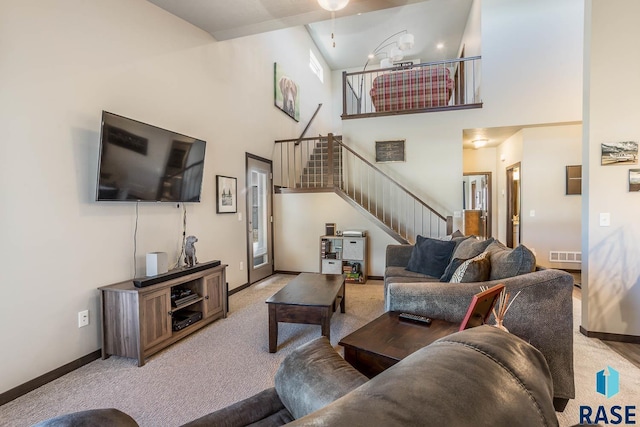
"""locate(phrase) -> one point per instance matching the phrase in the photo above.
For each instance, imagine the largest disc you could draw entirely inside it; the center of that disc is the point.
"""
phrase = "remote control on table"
(414, 318)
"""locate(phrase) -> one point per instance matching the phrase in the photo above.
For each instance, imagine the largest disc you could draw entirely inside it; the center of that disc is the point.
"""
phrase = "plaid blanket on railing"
(412, 89)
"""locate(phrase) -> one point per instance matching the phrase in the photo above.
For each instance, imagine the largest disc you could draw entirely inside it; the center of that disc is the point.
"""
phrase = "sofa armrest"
(313, 376)
(108, 417)
(264, 408)
(398, 255)
(542, 314)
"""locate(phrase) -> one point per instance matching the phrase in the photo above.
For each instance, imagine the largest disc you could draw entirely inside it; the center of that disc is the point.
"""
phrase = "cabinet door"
(353, 248)
(213, 294)
(155, 317)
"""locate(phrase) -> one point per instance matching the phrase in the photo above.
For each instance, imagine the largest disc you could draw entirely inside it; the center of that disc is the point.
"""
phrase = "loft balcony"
(408, 88)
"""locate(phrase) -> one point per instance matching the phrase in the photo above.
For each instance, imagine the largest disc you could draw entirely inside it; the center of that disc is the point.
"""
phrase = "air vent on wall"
(565, 256)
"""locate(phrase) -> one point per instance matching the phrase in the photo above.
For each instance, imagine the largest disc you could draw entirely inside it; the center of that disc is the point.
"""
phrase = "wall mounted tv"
(140, 162)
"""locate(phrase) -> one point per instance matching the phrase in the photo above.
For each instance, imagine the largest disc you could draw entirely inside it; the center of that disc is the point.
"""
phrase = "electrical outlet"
(241, 265)
(83, 318)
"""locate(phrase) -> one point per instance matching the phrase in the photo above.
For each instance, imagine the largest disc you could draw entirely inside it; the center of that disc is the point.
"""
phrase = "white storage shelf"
(338, 254)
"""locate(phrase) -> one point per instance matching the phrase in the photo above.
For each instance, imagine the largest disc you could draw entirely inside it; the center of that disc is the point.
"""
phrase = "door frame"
(248, 157)
(489, 219)
(510, 204)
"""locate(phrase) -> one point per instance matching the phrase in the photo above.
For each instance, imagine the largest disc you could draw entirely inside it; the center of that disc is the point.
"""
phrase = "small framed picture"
(226, 194)
(619, 153)
(390, 151)
(634, 179)
(573, 182)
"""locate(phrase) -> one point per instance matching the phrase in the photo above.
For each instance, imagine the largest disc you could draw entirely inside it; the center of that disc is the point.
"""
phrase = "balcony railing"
(412, 88)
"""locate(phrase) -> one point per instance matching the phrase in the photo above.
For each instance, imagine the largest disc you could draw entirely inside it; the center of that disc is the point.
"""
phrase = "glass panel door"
(259, 216)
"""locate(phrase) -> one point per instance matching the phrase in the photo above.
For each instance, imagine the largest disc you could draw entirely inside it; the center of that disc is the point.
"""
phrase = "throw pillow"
(457, 233)
(451, 268)
(476, 269)
(506, 262)
(470, 248)
(430, 256)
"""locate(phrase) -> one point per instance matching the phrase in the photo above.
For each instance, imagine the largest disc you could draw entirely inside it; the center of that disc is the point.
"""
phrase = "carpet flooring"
(229, 360)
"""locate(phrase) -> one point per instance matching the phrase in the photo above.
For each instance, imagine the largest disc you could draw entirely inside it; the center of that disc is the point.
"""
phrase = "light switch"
(532, 212)
(239, 216)
(605, 219)
(457, 214)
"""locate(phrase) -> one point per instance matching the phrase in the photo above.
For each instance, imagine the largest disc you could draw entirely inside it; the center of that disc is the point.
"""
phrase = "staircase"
(325, 164)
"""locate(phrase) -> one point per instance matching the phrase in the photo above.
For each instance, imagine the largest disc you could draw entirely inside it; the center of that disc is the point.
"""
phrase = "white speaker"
(157, 263)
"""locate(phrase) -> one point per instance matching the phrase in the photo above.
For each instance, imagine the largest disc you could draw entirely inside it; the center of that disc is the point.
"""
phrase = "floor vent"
(565, 256)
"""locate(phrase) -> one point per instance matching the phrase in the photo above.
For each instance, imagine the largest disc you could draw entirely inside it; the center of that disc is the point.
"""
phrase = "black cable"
(135, 243)
(184, 234)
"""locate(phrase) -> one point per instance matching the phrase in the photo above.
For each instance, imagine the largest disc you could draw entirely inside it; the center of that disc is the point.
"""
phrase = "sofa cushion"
(507, 262)
(472, 247)
(478, 377)
(430, 256)
(403, 272)
(313, 376)
(476, 269)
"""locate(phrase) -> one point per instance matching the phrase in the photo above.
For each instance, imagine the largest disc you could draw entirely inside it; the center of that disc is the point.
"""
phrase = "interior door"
(259, 218)
(514, 178)
(480, 202)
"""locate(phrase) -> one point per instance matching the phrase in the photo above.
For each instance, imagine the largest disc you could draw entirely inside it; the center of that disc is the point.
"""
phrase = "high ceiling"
(358, 28)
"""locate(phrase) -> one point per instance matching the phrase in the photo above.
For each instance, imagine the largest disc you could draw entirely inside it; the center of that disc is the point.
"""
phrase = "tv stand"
(138, 321)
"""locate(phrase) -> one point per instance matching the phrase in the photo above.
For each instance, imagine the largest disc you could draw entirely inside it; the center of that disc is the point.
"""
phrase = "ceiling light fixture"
(479, 143)
(333, 5)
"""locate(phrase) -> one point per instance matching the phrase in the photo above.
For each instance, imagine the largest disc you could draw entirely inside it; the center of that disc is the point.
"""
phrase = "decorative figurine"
(190, 251)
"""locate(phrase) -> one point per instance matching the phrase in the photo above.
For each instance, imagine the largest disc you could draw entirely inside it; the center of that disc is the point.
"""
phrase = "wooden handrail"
(402, 187)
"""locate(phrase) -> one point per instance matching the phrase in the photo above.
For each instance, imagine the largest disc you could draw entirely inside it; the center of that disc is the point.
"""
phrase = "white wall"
(300, 221)
(555, 225)
(611, 276)
(63, 63)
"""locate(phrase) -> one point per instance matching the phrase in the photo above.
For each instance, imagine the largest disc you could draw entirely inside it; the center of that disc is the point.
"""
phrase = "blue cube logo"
(608, 382)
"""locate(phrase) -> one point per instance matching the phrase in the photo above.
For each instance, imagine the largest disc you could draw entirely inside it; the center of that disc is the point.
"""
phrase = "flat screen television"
(141, 162)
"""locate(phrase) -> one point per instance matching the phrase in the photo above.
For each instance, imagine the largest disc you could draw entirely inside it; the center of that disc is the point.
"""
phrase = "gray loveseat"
(481, 376)
(542, 314)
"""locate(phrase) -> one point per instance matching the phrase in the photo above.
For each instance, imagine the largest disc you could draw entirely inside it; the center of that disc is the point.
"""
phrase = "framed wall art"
(390, 151)
(634, 179)
(573, 183)
(226, 194)
(286, 93)
(619, 153)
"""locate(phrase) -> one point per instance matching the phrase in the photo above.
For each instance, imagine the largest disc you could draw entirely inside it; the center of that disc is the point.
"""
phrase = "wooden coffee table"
(386, 340)
(310, 298)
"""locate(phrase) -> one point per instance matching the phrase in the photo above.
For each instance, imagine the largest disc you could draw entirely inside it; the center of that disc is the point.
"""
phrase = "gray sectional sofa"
(542, 314)
(481, 376)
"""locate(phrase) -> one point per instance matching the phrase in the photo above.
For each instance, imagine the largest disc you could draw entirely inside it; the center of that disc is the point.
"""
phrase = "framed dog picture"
(226, 194)
(286, 93)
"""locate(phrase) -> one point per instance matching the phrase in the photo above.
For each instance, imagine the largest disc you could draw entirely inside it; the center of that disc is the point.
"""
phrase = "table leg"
(273, 329)
(326, 322)
(342, 302)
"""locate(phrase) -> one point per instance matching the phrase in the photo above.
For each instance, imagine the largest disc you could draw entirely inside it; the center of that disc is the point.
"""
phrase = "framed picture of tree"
(226, 194)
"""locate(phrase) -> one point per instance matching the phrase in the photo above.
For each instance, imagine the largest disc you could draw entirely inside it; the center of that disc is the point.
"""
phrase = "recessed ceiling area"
(227, 19)
(358, 28)
(431, 22)
(497, 135)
